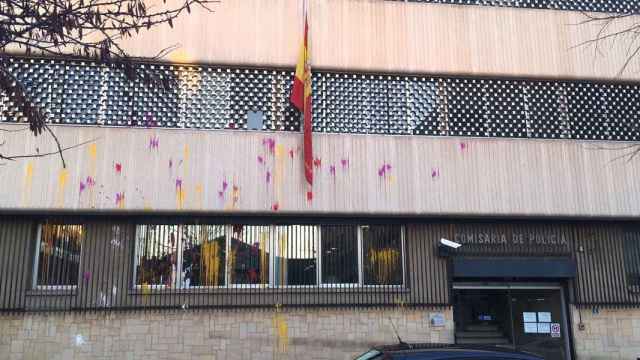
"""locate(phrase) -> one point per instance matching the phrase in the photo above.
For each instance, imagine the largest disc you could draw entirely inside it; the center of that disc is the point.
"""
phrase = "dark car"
(448, 352)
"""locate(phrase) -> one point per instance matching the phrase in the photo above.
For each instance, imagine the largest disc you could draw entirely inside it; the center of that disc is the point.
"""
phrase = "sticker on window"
(555, 330)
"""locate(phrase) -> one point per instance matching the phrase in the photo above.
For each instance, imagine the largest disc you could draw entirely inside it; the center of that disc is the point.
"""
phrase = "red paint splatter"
(309, 195)
(118, 168)
(275, 207)
(317, 162)
(291, 153)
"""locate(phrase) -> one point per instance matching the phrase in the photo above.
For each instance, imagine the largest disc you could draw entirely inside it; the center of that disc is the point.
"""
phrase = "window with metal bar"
(57, 262)
(186, 256)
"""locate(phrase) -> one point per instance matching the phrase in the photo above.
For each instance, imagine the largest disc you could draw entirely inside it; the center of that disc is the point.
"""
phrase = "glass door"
(539, 322)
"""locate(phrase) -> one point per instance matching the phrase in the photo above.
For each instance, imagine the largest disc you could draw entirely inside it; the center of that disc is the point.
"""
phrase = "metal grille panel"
(613, 6)
(210, 97)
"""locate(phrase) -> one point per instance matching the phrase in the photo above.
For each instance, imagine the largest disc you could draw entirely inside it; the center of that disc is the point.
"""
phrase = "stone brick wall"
(336, 333)
(607, 334)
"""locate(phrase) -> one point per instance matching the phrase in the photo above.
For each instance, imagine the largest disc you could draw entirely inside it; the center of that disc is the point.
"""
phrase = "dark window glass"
(156, 254)
(382, 255)
(59, 255)
(295, 255)
(632, 258)
(339, 254)
(249, 255)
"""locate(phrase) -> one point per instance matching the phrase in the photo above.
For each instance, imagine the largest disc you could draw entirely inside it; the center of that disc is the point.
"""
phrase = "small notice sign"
(436, 319)
(555, 330)
(544, 317)
(544, 328)
(530, 328)
(529, 317)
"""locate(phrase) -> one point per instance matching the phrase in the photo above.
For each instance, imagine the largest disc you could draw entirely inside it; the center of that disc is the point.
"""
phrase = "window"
(382, 255)
(57, 262)
(181, 256)
(186, 256)
(631, 246)
(339, 255)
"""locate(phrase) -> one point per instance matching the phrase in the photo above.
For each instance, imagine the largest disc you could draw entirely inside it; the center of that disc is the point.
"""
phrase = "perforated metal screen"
(614, 6)
(211, 97)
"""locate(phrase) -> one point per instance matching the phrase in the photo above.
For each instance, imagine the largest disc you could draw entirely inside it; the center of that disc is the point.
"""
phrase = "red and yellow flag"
(301, 98)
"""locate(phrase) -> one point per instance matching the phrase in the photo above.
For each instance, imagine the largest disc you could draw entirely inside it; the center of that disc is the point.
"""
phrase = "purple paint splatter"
(82, 187)
(224, 185)
(178, 183)
(154, 142)
(270, 144)
(86, 275)
(332, 170)
(260, 160)
(90, 181)
(268, 177)
(384, 169)
(344, 163)
(170, 164)
(435, 172)
(463, 146)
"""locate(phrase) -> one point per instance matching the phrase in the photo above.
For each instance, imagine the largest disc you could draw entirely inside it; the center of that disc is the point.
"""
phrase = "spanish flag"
(301, 97)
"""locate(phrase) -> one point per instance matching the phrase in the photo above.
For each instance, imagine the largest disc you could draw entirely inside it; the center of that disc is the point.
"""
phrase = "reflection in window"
(58, 257)
(249, 255)
(295, 255)
(203, 255)
(156, 254)
(339, 255)
(382, 255)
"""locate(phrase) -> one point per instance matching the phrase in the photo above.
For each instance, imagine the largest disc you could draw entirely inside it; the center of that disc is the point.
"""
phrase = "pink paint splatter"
(291, 153)
(268, 177)
(275, 207)
(86, 276)
(332, 170)
(344, 163)
(463, 146)
(118, 168)
(90, 181)
(317, 162)
(224, 185)
(82, 187)
(270, 144)
(309, 195)
(154, 142)
(260, 160)
(435, 172)
(384, 169)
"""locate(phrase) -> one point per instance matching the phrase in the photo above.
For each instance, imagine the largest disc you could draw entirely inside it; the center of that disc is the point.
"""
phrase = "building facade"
(182, 225)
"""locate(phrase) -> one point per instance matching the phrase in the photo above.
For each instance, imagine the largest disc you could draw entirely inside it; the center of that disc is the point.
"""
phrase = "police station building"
(473, 181)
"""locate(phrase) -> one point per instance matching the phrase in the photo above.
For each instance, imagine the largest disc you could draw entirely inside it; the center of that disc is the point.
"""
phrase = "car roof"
(444, 351)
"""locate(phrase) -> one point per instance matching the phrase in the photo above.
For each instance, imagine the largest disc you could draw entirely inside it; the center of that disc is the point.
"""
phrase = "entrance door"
(520, 318)
(539, 322)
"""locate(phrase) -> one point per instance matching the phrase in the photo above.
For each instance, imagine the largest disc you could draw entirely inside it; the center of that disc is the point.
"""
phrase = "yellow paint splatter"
(281, 329)
(180, 56)
(63, 177)
(391, 179)
(146, 289)
(93, 151)
(199, 191)
(28, 181)
(180, 196)
(147, 206)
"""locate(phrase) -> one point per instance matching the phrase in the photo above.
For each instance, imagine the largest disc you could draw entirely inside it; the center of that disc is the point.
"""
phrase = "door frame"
(470, 285)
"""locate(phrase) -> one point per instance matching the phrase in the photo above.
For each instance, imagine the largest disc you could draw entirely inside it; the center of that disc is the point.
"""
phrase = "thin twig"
(15, 157)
